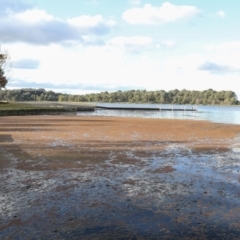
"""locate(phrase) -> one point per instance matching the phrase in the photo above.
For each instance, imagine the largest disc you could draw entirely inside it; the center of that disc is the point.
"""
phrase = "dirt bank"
(72, 177)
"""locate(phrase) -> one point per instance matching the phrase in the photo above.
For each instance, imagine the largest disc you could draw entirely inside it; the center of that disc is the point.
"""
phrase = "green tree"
(3, 59)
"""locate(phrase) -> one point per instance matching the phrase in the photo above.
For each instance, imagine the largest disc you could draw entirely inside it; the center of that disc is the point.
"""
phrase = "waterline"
(220, 114)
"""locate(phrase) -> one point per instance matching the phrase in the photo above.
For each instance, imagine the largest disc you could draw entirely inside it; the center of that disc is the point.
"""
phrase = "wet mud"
(70, 177)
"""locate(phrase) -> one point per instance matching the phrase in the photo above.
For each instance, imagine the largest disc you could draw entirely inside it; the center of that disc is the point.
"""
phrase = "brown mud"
(72, 177)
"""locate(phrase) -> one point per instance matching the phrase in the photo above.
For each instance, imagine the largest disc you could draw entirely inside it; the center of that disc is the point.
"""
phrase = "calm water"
(221, 114)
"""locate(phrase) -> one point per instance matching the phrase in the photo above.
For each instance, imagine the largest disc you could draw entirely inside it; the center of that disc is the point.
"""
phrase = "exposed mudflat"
(72, 177)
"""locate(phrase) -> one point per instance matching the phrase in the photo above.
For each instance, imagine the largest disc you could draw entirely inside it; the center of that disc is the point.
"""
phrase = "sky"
(84, 46)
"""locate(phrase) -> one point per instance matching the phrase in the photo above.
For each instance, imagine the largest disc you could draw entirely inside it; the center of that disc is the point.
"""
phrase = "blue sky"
(107, 45)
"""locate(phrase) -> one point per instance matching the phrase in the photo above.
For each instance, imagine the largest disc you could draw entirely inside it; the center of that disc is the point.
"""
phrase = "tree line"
(207, 97)
(3, 58)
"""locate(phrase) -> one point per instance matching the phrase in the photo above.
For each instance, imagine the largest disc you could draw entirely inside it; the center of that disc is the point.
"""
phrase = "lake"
(220, 114)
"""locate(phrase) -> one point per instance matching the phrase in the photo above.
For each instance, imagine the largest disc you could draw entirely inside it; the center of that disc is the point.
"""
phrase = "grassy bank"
(13, 108)
(80, 106)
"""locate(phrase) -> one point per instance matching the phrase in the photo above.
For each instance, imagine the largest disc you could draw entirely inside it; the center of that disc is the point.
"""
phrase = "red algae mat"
(72, 177)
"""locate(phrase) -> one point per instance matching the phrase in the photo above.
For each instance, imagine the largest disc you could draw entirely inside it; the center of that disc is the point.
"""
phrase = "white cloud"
(229, 47)
(140, 43)
(165, 44)
(230, 51)
(151, 15)
(132, 44)
(32, 16)
(74, 53)
(169, 44)
(86, 21)
(37, 27)
(7, 6)
(216, 68)
(110, 68)
(221, 14)
(103, 67)
(208, 47)
(222, 58)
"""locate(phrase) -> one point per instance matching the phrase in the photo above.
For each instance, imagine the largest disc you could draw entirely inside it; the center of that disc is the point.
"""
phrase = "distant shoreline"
(193, 97)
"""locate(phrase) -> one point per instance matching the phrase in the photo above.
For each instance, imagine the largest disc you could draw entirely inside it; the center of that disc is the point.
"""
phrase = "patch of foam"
(236, 150)
(59, 143)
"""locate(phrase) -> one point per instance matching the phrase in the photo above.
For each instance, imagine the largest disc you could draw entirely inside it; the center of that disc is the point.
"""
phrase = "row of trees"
(29, 94)
(207, 97)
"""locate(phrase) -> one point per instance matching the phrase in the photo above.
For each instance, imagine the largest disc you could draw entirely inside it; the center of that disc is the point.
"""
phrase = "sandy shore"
(118, 178)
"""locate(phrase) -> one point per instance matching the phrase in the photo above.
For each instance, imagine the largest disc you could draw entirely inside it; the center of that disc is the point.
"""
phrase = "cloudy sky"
(79, 46)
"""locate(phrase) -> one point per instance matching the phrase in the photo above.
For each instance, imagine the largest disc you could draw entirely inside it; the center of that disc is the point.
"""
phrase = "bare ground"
(72, 177)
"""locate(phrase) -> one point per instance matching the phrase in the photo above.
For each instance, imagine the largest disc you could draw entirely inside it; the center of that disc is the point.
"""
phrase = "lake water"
(221, 114)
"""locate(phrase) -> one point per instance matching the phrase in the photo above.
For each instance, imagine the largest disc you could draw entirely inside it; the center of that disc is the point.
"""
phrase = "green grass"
(13, 108)
(16, 106)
